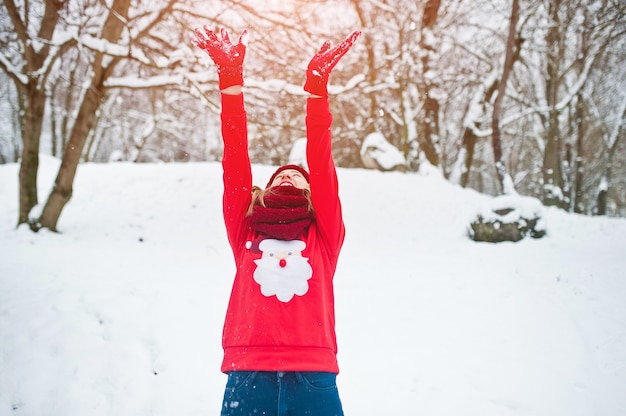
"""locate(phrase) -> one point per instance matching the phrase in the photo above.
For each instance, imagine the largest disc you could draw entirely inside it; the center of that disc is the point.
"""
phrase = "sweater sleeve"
(323, 175)
(237, 175)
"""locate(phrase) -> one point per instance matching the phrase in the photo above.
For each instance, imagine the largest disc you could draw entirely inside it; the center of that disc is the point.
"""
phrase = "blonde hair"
(258, 195)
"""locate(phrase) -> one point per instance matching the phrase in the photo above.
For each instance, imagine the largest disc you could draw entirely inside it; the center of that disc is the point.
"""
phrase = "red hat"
(282, 168)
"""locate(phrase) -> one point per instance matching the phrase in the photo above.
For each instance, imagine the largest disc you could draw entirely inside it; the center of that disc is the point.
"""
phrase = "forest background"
(523, 96)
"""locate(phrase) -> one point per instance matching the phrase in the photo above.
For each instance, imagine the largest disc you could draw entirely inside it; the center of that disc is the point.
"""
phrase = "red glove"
(228, 58)
(323, 62)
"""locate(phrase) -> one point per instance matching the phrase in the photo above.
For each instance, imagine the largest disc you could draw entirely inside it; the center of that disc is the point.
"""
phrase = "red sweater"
(268, 327)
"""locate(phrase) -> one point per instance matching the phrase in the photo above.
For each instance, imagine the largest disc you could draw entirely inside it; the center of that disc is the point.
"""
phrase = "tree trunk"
(34, 106)
(552, 190)
(512, 53)
(428, 125)
(372, 68)
(469, 143)
(32, 96)
(62, 190)
(612, 143)
(601, 201)
(579, 158)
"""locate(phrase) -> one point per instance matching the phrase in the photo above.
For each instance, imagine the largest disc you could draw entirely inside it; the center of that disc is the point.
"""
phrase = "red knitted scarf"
(285, 214)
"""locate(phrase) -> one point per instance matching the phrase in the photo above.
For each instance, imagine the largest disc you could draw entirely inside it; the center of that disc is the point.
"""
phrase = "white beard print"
(284, 282)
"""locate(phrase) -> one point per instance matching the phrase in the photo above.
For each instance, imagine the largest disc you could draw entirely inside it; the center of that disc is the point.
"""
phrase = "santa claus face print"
(282, 271)
(290, 177)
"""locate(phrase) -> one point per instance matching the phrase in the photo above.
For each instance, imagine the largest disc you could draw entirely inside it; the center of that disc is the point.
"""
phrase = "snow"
(121, 312)
(103, 46)
(9, 68)
(150, 82)
(520, 206)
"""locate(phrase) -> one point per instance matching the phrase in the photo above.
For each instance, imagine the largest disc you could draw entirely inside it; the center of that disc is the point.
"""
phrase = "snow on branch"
(617, 126)
(12, 71)
(475, 112)
(112, 49)
(152, 82)
(103, 46)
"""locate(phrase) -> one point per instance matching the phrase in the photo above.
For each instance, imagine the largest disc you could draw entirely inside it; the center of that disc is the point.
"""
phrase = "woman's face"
(290, 177)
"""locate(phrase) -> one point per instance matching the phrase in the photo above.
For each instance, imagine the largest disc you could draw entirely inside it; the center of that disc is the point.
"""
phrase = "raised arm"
(323, 175)
(237, 177)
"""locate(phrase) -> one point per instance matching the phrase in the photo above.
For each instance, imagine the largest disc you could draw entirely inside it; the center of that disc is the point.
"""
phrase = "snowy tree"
(401, 88)
(120, 80)
(64, 56)
(563, 63)
(569, 39)
(117, 33)
(28, 54)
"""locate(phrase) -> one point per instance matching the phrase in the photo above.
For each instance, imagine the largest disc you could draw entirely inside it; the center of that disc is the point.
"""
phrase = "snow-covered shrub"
(378, 153)
(508, 218)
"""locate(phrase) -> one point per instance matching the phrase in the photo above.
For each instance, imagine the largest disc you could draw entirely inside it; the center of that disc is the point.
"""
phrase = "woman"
(279, 333)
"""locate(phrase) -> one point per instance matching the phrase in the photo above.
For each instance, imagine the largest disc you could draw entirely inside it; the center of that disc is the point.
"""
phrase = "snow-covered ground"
(120, 314)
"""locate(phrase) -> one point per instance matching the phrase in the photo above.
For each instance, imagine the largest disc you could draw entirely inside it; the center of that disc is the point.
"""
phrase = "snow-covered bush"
(378, 153)
(508, 218)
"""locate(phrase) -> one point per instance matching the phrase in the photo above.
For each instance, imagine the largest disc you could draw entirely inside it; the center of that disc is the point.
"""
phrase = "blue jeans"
(287, 393)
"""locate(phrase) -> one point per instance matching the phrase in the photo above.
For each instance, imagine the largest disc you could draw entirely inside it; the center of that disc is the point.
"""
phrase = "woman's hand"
(323, 62)
(228, 58)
